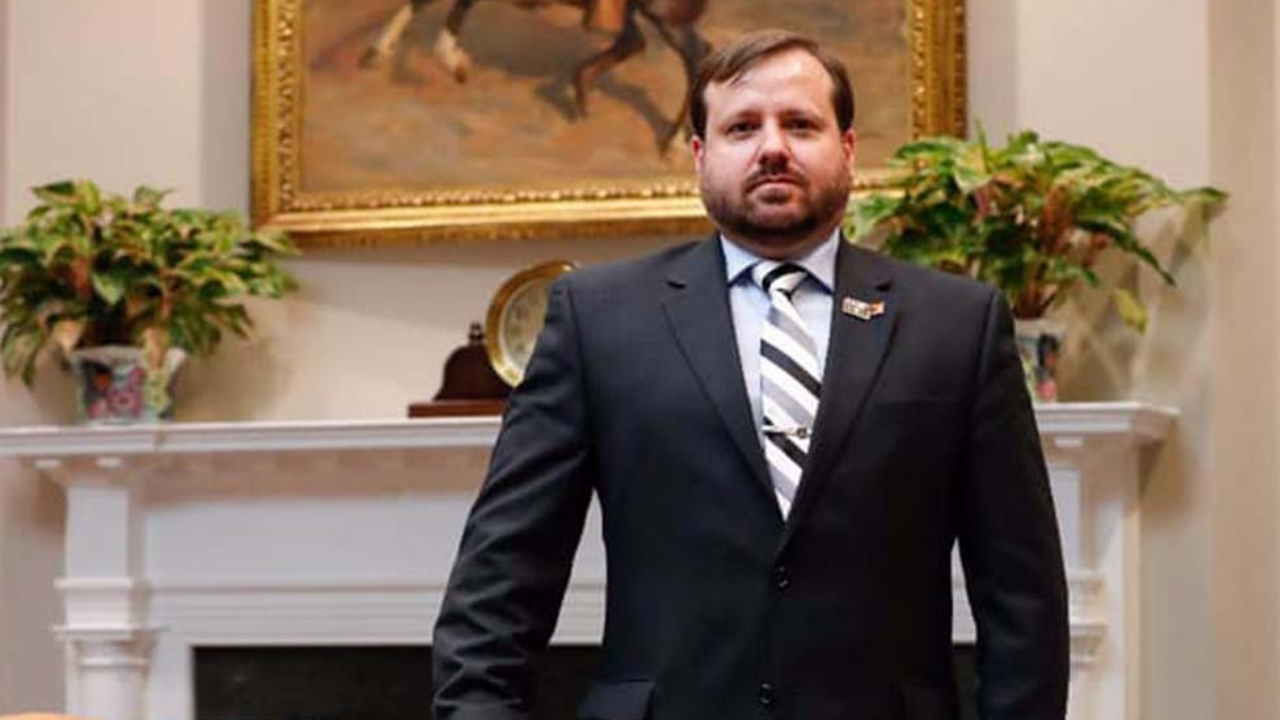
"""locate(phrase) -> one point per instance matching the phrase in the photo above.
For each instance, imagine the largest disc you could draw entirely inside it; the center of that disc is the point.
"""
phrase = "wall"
(1274, 680)
(30, 514)
(5, 123)
(1187, 88)
(1244, 282)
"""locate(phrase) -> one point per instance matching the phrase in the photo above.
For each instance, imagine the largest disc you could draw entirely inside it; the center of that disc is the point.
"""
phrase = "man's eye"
(740, 128)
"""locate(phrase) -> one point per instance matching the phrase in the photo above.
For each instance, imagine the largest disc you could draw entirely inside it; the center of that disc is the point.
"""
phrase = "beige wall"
(5, 123)
(106, 90)
(1128, 78)
(1244, 457)
(1274, 680)
(30, 515)
(1187, 88)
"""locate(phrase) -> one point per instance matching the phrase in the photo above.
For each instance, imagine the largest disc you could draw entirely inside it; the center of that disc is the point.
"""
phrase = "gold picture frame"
(575, 207)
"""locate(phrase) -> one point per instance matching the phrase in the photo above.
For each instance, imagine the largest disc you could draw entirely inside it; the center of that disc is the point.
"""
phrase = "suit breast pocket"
(912, 435)
(617, 700)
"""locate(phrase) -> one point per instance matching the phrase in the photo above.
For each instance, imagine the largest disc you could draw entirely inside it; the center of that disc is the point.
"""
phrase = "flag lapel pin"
(862, 309)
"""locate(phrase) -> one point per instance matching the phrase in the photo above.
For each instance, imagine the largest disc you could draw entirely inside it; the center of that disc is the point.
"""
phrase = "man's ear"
(849, 142)
(697, 146)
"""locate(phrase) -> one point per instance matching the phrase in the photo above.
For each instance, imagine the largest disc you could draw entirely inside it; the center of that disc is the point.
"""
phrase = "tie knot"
(776, 276)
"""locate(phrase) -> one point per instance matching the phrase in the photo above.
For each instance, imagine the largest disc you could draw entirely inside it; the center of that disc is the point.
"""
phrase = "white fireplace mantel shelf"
(185, 535)
(249, 437)
(1066, 425)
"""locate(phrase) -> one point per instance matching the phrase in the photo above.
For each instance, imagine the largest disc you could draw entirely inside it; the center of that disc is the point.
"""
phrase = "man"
(781, 472)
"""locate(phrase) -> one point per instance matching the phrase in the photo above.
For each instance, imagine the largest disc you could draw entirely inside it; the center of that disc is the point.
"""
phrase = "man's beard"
(739, 215)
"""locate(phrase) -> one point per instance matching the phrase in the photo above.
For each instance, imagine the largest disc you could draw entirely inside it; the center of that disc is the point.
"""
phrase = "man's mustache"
(758, 178)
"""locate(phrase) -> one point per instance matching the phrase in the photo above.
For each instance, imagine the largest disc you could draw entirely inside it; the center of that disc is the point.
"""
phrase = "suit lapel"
(698, 310)
(854, 353)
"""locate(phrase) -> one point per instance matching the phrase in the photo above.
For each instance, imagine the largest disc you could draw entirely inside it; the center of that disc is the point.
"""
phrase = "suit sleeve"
(1009, 542)
(508, 581)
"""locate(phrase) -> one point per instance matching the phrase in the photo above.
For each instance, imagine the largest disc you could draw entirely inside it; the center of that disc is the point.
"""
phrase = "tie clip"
(799, 431)
(862, 309)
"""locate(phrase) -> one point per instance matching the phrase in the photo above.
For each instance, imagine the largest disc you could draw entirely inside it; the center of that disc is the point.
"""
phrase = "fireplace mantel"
(342, 532)
(1069, 422)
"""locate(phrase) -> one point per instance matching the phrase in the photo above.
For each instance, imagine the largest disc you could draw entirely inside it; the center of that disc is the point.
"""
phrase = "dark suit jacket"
(717, 609)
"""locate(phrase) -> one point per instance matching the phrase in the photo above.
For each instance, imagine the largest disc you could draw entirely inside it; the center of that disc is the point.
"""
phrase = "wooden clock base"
(456, 408)
(470, 386)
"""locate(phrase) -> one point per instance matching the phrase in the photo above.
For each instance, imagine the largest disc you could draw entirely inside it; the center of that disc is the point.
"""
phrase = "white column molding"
(104, 602)
(343, 533)
(108, 669)
(1095, 482)
(105, 593)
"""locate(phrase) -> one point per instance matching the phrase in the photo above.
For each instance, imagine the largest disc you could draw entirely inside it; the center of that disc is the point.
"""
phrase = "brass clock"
(515, 318)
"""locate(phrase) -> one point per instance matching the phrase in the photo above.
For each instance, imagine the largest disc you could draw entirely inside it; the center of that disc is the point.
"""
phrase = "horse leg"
(447, 48)
(389, 39)
(628, 42)
(692, 49)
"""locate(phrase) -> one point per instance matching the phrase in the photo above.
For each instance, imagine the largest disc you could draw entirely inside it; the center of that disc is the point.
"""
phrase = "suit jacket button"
(766, 695)
(781, 579)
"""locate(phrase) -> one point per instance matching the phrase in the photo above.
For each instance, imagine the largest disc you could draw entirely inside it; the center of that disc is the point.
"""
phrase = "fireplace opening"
(391, 682)
(359, 682)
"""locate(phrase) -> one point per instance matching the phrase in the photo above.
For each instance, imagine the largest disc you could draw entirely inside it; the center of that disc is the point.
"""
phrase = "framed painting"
(405, 120)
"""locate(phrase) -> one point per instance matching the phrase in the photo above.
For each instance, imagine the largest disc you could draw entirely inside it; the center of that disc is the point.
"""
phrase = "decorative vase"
(1039, 346)
(116, 385)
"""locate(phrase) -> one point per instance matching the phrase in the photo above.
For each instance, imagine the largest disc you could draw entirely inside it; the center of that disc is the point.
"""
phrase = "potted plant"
(125, 289)
(1032, 218)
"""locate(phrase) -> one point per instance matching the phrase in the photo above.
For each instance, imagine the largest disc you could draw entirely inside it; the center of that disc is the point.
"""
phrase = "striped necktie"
(790, 379)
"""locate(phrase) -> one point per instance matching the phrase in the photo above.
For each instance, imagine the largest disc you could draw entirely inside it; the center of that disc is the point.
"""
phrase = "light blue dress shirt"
(749, 304)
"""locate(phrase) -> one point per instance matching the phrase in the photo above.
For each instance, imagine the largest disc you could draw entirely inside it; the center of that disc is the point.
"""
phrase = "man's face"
(774, 167)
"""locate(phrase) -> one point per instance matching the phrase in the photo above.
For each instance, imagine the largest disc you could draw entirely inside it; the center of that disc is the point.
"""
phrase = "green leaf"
(58, 193)
(928, 149)
(149, 197)
(90, 197)
(19, 348)
(866, 213)
(15, 254)
(277, 242)
(109, 286)
(1130, 309)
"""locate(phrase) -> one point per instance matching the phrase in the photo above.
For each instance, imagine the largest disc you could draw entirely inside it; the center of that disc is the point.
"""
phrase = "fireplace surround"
(341, 534)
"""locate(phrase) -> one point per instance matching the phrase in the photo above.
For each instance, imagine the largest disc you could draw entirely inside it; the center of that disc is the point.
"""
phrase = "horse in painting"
(675, 21)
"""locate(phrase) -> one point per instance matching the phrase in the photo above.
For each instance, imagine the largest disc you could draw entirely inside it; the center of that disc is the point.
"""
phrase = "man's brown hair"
(731, 61)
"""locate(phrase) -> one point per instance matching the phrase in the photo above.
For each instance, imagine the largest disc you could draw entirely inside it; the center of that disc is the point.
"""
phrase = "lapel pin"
(862, 309)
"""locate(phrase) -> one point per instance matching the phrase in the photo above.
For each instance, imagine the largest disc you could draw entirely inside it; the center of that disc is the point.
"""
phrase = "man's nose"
(774, 152)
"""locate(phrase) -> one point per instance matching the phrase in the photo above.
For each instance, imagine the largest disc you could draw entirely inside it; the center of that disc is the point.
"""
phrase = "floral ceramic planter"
(115, 384)
(1039, 346)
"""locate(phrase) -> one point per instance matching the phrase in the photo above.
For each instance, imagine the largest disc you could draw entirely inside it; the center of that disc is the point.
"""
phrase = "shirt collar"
(820, 261)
